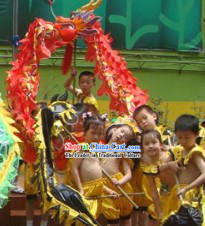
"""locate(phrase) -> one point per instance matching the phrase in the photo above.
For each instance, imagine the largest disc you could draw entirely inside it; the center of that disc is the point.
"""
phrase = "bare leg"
(153, 223)
(44, 219)
(135, 218)
(30, 207)
(113, 224)
(127, 222)
(143, 218)
(102, 220)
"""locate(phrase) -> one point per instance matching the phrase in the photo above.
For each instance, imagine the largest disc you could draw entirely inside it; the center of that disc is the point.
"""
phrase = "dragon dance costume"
(10, 153)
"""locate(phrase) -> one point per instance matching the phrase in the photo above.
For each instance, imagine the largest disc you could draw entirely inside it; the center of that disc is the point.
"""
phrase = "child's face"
(86, 84)
(146, 120)
(151, 145)
(186, 139)
(121, 135)
(94, 134)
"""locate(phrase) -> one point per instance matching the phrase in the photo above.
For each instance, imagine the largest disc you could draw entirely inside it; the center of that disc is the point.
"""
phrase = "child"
(84, 95)
(191, 156)
(146, 119)
(152, 147)
(120, 171)
(87, 172)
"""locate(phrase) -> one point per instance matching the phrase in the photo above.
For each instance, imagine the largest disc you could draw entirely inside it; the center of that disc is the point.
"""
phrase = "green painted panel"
(41, 9)
(161, 24)
(181, 24)
(130, 21)
(6, 20)
(158, 24)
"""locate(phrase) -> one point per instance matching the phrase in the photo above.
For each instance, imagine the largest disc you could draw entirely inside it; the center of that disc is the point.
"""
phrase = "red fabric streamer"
(67, 59)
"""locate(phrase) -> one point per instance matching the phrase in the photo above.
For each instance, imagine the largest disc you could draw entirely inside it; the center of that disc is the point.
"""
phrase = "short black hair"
(147, 108)
(187, 122)
(87, 73)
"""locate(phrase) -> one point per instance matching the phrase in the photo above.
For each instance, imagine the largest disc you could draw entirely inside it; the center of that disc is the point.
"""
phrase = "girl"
(119, 169)
(153, 165)
(151, 144)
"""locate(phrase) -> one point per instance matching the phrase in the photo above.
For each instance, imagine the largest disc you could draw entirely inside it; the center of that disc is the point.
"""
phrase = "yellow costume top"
(140, 183)
(81, 98)
(178, 153)
(194, 197)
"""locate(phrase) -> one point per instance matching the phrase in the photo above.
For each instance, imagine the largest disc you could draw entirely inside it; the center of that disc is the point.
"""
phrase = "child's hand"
(182, 192)
(115, 181)
(114, 193)
(74, 72)
(81, 192)
(160, 216)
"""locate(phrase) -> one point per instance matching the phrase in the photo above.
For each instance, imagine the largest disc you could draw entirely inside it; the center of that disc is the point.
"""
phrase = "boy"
(84, 95)
(147, 119)
(191, 156)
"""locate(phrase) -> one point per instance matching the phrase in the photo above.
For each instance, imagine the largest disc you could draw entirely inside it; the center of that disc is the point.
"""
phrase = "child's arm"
(155, 196)
(169, 164)
(200, 163)
(127, 174)
(172, 165)
(75, 171)
(68, 82)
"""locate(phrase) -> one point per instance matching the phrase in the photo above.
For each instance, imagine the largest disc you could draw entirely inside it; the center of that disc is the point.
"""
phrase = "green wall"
(171, 83)
(177, 80)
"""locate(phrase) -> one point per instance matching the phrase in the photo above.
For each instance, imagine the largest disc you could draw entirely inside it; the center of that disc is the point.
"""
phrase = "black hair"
(108, 134)
(148, 109)
(187, 122)
(153, 132)
(90, 120)
(87, 73)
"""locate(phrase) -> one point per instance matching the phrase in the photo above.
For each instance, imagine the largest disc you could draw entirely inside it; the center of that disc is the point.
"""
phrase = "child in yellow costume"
(87, 172)
(191, 176)
(146, 119)
(153, 163)
(84, 95)
(119, 169)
